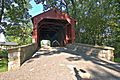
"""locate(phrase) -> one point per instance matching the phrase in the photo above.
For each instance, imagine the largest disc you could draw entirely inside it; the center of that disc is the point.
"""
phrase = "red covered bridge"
(53, 25)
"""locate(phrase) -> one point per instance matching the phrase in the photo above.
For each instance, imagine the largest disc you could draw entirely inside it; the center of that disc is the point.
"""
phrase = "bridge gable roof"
(53, 14)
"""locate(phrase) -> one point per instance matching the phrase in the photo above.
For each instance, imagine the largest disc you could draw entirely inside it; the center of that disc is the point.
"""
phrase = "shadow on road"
(77, 74)
(95, 60)
(79, 56)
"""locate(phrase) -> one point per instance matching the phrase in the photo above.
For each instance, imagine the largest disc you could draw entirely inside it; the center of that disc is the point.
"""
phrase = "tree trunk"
(74, 8)
(2, 11)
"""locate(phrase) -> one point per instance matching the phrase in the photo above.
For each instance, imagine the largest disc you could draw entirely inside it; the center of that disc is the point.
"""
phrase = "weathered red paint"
(57, 15)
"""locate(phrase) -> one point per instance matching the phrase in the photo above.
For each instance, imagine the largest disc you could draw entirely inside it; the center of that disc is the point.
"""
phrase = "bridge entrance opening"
(52, 30)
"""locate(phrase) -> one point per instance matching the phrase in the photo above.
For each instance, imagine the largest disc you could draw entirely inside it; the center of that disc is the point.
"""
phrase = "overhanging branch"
(2, 10)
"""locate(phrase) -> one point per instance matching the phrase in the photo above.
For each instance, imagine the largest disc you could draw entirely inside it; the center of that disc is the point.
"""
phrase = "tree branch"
(2, 10)
(74, 7)
(66, 6)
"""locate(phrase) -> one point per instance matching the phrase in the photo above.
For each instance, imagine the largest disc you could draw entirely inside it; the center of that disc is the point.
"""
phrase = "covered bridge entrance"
(53, 25)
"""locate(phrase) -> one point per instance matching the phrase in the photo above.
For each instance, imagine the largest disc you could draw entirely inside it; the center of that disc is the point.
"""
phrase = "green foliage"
(98, 22)
(21, 35)
(14, 17)
(3, 60)
(3, 65)
(4, 53)
(117, 60)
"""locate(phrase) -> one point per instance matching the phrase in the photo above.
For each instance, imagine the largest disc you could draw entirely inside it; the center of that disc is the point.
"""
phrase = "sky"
(36, 8)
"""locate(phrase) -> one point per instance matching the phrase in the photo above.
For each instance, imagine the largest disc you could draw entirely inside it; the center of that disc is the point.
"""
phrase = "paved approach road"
(58, 64)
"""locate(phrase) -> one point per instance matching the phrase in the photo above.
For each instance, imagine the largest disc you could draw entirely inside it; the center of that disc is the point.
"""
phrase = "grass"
(3, 60)
(117, 60)
(3, 65)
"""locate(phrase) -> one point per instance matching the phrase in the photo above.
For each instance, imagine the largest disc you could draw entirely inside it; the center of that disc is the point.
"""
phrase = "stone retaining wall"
(16, 56)
(97, 51)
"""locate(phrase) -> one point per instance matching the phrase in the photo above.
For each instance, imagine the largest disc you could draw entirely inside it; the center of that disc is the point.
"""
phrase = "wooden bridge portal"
(53, 25)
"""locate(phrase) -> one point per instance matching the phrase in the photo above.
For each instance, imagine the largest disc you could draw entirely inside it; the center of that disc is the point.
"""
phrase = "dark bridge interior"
(52, 29)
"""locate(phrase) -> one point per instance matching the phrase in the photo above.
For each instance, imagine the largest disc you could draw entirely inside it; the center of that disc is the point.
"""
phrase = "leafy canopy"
(14, 17)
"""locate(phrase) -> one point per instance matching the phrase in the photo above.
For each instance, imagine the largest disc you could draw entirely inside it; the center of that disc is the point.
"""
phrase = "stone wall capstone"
(97, 51)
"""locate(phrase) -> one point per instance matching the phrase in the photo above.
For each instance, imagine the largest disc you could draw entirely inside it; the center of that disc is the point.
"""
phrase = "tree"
(14, 17)
(115, 23)
(23, 34)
